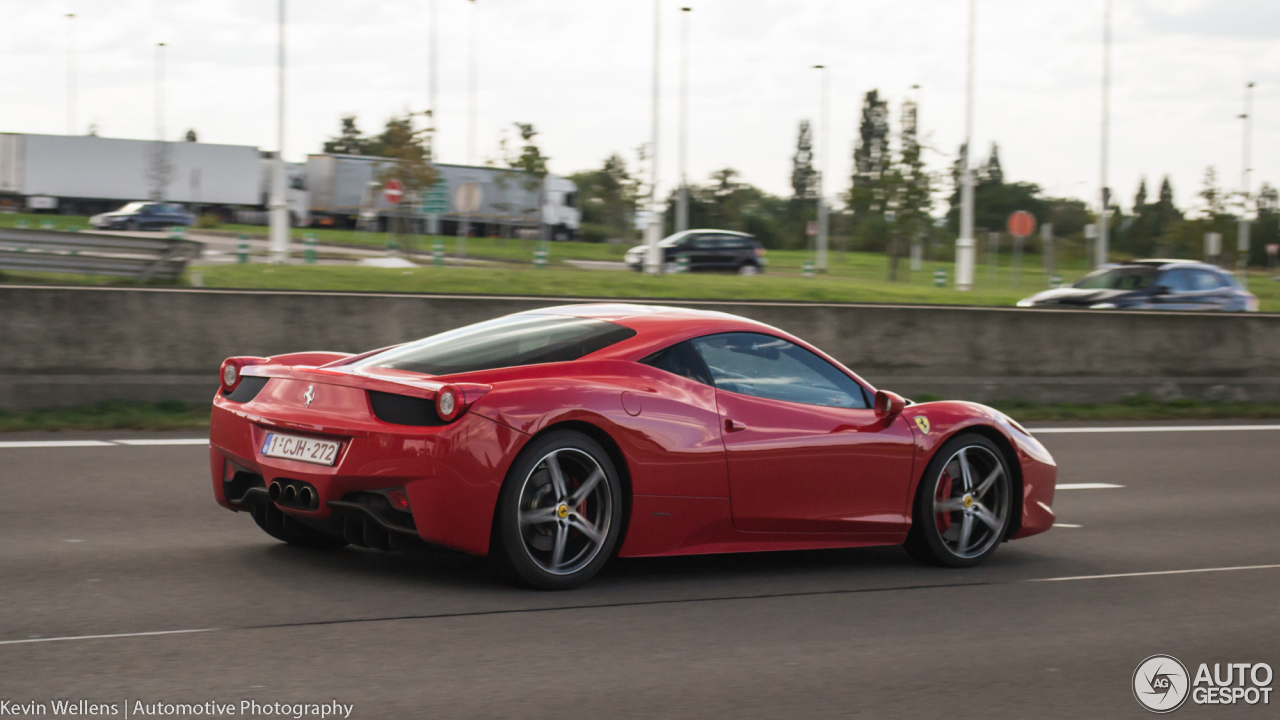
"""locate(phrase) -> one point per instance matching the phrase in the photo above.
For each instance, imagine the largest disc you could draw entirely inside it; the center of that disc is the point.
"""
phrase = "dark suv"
(707, 250)
(1151, 285)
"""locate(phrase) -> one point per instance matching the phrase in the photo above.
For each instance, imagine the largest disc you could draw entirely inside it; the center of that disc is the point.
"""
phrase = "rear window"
(505, 342)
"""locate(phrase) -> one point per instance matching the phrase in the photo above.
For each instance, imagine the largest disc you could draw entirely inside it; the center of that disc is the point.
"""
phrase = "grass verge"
(111, 415)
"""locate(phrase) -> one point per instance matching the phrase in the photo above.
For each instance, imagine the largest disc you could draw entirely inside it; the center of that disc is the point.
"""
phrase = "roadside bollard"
(74, 228)
(242, 250)
(177, 232)
(540, 256)
(309, 255)
(437, 252)
(1055, 281)
(806, 268)
(940, 278)
(21, 225)
(682, 264)
(46, 225)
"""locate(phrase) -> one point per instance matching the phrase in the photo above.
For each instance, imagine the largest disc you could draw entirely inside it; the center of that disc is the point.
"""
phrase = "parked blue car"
(143, 216)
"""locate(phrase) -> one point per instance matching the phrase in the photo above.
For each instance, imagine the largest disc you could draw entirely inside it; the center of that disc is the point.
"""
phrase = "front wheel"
(559, 513)
(748, 269)
(963, 506)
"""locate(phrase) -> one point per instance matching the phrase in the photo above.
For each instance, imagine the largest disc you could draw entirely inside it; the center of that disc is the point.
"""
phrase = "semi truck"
(86, 175)
(345, 192)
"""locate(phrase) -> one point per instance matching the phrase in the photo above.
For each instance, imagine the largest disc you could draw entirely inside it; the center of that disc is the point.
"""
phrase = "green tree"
(911, 200)
(349, 140)
(534, 164)
(871, 160)
(608, 200)
(803, 176)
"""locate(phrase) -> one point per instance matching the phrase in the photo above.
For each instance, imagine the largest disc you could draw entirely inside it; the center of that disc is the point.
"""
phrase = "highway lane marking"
(1154, 573)
(637, 603)
(1065, 525)
(102, 443)
(1151, 428)
(1087, 486)
(107, 637)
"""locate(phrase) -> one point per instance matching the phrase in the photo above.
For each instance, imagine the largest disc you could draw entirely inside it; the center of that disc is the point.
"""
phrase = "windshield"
(131, 207)
(506, 342)
(1128, 277)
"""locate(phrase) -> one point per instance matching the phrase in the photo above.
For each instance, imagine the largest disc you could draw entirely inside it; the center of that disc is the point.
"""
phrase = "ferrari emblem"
(310, 395)
(968, 501)
(922, 422)
(562, 511)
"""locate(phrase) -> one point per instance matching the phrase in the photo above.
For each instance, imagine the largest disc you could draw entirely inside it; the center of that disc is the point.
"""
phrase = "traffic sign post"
(393, 191)
(1047, 258)
(1021, 224)
(242, 250)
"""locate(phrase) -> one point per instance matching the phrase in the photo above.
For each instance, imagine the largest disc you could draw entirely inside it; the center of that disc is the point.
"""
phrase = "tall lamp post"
(1104, 225)
(653, 230)
(964, 243)
(682, 207)
(473, 109)
(1242, 236)
(278, 243)
(820, 259)
(71, 74)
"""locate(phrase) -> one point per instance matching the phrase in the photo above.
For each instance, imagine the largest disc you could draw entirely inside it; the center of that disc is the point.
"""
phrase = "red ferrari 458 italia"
(555, 439)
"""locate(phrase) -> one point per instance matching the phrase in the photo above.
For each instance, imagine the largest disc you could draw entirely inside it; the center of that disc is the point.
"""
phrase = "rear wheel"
(559, 514)
(282, 527)
(963, 505)
(748, 269)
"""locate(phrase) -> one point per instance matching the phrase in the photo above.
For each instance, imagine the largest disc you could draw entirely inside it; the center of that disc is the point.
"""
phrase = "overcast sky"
(580, 71)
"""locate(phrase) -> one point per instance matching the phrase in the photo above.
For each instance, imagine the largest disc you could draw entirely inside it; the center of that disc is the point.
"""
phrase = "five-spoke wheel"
(560, 511)
(964, 504)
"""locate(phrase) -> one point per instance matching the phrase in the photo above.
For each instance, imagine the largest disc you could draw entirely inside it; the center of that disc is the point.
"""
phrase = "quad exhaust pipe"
(290, 494)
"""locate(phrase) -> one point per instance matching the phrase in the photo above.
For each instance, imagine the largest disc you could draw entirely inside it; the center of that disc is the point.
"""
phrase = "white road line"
(1065, 525)
(105, 637)
(1152, 428)
(1158, 572)
(165, 441)
(54, 443)
(102, 443)
(1087, 486)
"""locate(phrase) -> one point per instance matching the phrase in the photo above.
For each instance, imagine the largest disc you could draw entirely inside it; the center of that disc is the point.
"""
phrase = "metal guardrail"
(87, 253)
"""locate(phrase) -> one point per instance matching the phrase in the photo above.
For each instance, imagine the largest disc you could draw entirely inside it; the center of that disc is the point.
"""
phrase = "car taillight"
(231, 367)
(449, 403)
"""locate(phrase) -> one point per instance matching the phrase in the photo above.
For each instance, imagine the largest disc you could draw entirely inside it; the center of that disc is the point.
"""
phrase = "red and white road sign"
(1022, 223)
(392, 191)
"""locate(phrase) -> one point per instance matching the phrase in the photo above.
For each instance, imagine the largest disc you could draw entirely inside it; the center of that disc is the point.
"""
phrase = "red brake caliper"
(944, 493)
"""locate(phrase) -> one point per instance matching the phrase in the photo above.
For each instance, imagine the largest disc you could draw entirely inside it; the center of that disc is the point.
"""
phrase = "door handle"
(731, 426)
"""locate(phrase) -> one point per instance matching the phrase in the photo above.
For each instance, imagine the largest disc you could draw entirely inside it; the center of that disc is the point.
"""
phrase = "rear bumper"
(451, 474)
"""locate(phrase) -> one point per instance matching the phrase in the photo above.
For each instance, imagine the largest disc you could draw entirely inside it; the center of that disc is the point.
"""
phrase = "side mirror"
(888, 404)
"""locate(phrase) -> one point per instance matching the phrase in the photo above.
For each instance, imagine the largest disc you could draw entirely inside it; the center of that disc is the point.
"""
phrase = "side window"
(770, 367)
(680, 359)
(704, 242)
(1206, 281)
(1177, 281)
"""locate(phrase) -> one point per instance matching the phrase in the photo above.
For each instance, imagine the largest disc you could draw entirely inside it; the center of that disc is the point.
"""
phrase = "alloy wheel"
(565, 511)
(971, 503)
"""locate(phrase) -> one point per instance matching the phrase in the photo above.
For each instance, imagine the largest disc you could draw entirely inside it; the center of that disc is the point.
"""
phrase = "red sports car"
(552, 440)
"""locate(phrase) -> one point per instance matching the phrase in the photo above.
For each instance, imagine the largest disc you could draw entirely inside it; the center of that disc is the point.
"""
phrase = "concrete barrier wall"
(71, 346)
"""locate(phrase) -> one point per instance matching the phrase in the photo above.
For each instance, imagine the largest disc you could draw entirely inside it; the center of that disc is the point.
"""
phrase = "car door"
(701, 250)
(805, 452)
(1179, 291)
(1214, 291)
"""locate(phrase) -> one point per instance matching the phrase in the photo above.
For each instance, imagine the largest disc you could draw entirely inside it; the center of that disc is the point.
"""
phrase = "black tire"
(282, 527)
(937, 536)
(526, 553)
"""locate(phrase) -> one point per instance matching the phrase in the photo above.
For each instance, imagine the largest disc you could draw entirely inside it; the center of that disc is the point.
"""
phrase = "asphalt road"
(127, 539)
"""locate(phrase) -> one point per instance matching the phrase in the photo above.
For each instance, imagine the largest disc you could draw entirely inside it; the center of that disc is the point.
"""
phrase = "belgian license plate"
(291, 447)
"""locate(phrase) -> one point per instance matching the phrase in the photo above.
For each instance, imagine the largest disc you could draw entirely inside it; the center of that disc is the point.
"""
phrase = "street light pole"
(820, 259)
(653, 230)
(964, 243)
(1104, 229)
(432, 61)
(1242, 235)
(71, 74)
(278, 243)
(473, 109)
(682, 207)
(159, 92)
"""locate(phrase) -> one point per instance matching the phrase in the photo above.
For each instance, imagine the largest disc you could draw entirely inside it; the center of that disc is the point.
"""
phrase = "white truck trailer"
(85, 174)
(345, 188)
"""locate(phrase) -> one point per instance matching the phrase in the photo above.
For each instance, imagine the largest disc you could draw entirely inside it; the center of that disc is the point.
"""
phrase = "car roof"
(1165, 263)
